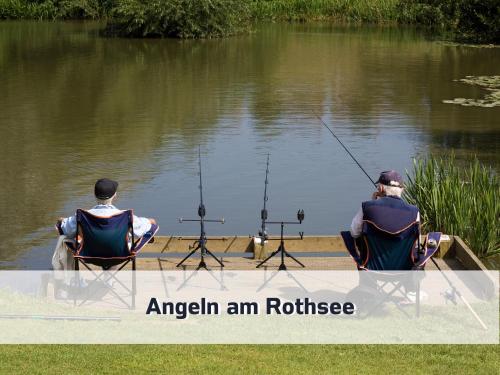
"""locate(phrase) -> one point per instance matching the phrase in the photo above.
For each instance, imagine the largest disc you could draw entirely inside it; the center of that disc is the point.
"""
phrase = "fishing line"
(345, 148)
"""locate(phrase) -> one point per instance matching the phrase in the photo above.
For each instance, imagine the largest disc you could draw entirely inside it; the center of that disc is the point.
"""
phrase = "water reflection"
(75, 107)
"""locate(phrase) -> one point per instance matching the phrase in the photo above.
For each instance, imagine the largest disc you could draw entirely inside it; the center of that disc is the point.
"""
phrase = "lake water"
(75, 107)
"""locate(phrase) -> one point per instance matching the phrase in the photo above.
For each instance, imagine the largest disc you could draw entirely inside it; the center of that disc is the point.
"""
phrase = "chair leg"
(134, 288)
(417, 302)
(77, 277)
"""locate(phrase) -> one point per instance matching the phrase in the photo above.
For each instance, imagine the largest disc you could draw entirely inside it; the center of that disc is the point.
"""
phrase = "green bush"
(179, 18)
(479, 21)
(54, 9)
(79, 9)
(475, 21)
(458, 200)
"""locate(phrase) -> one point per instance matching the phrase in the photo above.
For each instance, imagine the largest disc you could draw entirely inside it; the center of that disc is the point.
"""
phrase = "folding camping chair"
(378, 251)
(107, 242)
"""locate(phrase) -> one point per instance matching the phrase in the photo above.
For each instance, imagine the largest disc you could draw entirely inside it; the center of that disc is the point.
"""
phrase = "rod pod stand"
(281, 249)
(202, 241)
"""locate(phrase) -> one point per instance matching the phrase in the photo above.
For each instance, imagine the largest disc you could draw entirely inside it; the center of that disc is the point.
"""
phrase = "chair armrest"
(70, 244)
(148, 237)
(430, 247)
(350, 244)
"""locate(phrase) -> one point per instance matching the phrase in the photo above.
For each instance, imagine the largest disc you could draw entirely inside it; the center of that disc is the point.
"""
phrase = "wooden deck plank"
(311, 263)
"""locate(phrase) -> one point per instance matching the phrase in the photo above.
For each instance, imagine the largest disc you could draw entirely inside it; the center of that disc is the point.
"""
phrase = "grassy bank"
(459, 200)
(249, 359)
(378, 11)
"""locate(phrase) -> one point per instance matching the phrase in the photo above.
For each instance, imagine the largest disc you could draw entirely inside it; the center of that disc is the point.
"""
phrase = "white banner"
(249, 307)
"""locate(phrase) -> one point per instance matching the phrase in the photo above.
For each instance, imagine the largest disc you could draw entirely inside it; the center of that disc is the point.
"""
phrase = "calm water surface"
(75, 107)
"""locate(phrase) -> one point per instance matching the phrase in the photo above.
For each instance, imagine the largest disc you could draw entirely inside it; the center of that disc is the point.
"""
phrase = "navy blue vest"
(389, 214)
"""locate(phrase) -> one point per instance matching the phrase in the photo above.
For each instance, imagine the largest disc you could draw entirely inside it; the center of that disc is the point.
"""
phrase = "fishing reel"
(263, 214)
(201, 210)
(300, 216)
(450, 295)
(263, 232)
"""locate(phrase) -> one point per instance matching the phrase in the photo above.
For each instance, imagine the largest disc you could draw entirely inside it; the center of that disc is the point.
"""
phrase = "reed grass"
(375, 11)
(458, 200)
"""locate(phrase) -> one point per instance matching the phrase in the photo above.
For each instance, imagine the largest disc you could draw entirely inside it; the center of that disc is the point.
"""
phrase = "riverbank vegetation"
(378, 11)
(185, 19)
(55, 9)
(459, 200)
(471, 21)
(467, 21)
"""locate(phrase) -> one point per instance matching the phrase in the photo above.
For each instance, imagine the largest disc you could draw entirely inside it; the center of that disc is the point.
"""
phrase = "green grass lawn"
(249, 359)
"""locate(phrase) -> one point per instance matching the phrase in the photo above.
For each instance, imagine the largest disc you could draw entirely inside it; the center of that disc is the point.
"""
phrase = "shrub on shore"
(54, 9)
(458, 200)
(179, 18)
(469, 21)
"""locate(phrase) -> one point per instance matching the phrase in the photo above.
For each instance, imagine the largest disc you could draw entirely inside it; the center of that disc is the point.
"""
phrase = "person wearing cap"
(105, 193)
(386, 208)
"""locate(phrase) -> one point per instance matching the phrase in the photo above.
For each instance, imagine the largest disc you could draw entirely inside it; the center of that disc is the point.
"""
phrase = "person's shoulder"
(371, 201)
(101, 209)
(413, 206)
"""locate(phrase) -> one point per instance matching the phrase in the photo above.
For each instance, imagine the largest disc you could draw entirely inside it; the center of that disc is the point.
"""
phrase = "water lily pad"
(489, 83)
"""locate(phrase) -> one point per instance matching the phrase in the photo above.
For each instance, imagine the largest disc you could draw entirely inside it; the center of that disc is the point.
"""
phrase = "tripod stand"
(281, 249)
(201, 243)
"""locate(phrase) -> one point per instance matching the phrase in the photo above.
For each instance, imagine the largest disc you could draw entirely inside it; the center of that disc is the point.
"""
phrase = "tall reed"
(459, 200)
(344, 10)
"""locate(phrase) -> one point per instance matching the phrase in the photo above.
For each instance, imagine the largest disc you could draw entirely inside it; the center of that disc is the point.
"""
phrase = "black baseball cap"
(390, 178)
(105, 188)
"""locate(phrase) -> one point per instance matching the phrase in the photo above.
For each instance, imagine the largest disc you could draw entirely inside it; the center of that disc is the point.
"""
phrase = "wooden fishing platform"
(316, 252)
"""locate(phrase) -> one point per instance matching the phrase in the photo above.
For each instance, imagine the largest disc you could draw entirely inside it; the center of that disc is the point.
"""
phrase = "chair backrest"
(104, 237)
(389, 251)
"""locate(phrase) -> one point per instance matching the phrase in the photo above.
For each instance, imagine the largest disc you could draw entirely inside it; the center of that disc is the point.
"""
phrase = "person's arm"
(142, 225)
(357, 224)
(67, 226)
(58, 226)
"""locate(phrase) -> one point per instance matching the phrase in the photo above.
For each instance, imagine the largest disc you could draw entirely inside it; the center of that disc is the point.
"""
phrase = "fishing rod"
(202, 241)
(345, 148)
(263, 232)
(60, 317)
(263, 212)
(454, 291)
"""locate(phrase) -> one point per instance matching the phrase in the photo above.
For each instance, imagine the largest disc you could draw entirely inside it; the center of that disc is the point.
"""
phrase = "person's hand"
(58, 225)
(152, 221)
